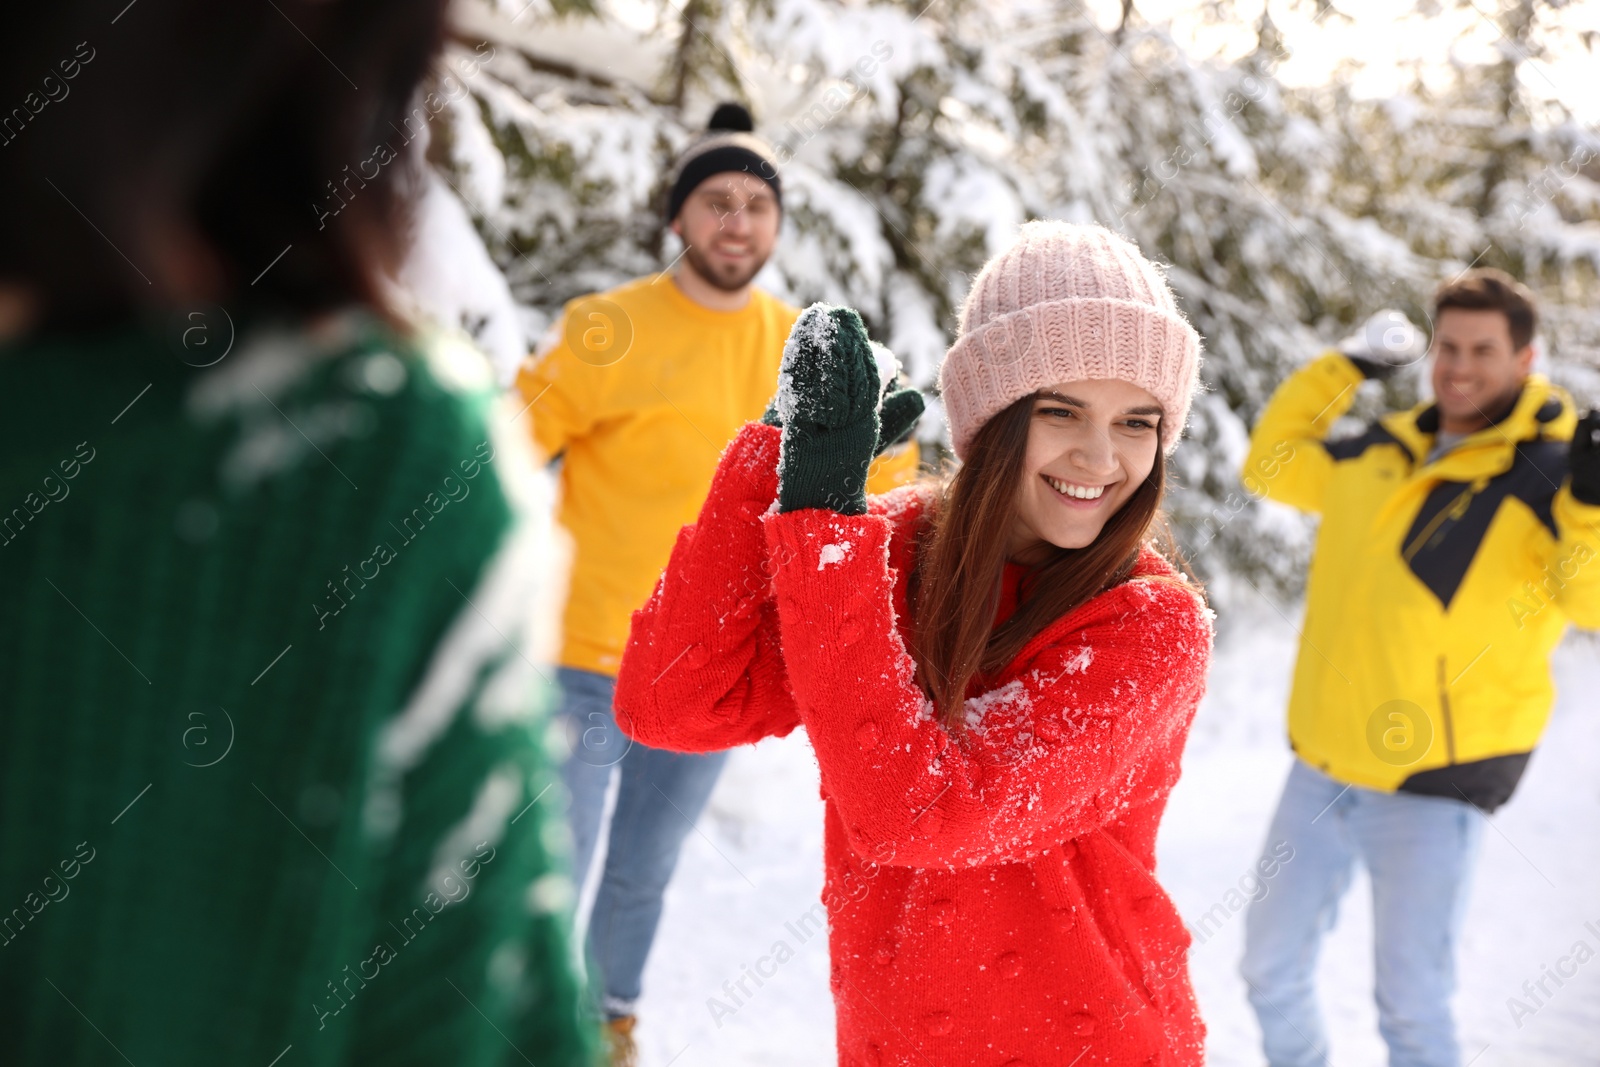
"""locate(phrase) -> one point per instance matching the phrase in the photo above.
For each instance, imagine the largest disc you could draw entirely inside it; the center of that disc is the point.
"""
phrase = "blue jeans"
(1419, 851)
(659, 797)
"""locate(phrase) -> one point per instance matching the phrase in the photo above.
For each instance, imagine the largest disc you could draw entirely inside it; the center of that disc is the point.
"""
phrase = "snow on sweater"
(992, 898)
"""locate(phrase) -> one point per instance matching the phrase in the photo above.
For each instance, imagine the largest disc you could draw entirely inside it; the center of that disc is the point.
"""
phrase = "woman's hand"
(839, 406)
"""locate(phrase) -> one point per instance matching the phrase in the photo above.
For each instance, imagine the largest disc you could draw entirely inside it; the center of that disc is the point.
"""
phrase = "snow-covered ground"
(753, 869)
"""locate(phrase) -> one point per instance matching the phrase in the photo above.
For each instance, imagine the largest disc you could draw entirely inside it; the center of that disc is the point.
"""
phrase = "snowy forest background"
(917, 136)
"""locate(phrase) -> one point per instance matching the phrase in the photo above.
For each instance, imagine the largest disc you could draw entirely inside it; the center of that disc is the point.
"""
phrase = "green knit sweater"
(272, 773)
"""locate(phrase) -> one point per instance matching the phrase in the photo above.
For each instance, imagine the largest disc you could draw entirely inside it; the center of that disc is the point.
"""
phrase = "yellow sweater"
(641, 388)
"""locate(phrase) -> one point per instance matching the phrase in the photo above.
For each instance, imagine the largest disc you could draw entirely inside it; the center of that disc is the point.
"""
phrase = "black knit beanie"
(728, 144)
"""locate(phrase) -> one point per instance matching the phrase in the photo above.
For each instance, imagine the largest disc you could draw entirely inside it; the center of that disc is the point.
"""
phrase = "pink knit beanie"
(1064, 303)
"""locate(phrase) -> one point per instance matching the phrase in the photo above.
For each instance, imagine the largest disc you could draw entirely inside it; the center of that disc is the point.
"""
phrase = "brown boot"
(619, 1041)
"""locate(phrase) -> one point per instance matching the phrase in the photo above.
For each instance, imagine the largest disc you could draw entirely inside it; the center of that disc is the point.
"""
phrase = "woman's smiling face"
(1091, 444)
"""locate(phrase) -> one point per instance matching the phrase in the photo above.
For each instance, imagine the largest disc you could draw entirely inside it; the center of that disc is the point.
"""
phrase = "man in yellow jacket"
(639, 389)
(1457, 541)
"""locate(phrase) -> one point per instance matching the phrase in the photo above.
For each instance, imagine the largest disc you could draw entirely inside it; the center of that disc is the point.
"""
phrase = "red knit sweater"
(992, 899)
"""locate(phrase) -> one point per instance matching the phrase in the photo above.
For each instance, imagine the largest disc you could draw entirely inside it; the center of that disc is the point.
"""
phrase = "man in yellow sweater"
(639, 389)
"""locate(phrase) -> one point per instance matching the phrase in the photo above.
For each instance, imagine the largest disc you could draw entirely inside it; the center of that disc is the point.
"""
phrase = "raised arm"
(1046, 757)
(702, 670)
(1287, 460)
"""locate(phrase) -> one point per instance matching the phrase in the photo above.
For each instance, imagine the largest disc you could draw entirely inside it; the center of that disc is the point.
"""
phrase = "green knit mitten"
(827, 404)
(898, 410)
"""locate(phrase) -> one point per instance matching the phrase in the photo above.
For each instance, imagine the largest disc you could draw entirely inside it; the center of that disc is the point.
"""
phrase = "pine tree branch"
(683, 55)
(543, 64)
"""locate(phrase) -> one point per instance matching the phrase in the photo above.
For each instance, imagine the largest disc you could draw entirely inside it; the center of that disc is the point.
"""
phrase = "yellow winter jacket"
(640, 389)
(1437, 590)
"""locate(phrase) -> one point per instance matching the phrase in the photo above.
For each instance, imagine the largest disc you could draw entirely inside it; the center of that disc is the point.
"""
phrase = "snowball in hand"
(1386, 337)
(828, 394)
(830, 376)
(888, 365)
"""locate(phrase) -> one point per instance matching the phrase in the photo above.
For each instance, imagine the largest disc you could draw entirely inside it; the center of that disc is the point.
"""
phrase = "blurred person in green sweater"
(272, 782)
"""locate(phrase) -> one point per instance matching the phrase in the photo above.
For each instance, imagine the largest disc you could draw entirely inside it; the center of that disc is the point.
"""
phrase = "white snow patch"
(1013, 696)
(485, 823)
(888, 364)
(266, 366)
(448, 278)
(472, 148)
(835, 553)
(814, 330)
(253, 387)
(475, 639)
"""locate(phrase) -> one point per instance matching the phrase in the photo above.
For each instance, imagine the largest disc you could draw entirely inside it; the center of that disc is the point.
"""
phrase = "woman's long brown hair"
(961, 557)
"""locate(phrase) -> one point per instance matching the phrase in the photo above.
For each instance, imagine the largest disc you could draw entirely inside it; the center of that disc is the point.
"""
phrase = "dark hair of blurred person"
(177, 150)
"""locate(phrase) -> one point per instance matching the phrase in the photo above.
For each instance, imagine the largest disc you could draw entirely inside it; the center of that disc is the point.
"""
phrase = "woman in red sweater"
(997, 672)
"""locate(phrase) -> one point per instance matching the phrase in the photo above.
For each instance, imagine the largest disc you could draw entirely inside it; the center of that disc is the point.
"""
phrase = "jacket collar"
(1541, 411)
